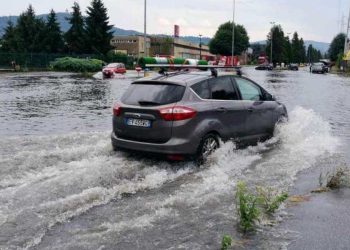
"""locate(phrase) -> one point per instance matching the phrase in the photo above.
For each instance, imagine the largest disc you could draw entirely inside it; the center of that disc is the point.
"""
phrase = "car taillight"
(177, 113)
(116, 109)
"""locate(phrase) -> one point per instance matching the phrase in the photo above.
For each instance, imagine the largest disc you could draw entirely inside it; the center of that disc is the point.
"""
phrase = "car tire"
(207, 146)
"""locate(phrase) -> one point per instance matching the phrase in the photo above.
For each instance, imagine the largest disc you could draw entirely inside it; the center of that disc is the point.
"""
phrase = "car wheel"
(206, 147)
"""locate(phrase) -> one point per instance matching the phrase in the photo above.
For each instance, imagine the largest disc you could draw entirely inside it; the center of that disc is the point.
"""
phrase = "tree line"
(90, 34)
(284, 49)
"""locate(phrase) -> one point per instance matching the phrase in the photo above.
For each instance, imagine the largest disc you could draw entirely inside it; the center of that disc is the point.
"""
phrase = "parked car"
(293, 66)
(187, 114)
(264, 67)
(113, 68)
(318, 68)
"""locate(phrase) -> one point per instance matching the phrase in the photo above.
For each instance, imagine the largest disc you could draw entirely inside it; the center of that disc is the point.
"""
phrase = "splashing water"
(50, 180)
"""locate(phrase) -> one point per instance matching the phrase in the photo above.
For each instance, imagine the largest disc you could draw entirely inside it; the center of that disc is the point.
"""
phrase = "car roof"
(183, 77)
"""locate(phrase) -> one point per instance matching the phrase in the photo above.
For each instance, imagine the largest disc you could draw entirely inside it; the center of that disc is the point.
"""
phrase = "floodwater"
(62, 186)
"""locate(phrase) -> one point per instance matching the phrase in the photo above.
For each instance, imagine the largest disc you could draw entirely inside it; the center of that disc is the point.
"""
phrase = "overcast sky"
(313, 19)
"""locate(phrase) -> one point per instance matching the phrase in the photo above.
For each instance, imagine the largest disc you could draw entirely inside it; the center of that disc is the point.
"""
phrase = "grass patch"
(250, 206)
(269, 199)
(226, 242)
(339, 178)
(246, 205)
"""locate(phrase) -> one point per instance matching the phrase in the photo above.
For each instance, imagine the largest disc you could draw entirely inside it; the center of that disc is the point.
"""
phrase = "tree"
(287, 51)
(29, 31)
(222, 41)
(75, 37)
(53, 41)
(98, 29)
(295, 48)
(313, 54)
(337, 46)
(302, 51)
(9, 39)
(278, 45)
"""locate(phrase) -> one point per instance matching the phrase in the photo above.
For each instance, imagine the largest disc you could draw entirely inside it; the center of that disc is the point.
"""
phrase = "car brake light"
(177, 113)
(116, 109)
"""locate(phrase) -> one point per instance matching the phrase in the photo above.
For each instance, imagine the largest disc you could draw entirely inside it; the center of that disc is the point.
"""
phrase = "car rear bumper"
(173, 146)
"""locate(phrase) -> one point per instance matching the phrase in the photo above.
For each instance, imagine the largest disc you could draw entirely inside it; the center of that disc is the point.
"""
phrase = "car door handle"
(221, 109)
(250, 110)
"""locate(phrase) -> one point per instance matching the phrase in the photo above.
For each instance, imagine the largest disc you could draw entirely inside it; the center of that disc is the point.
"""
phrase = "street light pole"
(347, 34)
(272, 23)
(233, 31)
(200, 47)
(145, 31)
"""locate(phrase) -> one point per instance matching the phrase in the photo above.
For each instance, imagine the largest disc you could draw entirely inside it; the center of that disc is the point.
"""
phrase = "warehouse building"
(159, 46)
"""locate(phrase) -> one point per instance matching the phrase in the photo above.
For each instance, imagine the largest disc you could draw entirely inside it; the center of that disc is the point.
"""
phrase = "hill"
(62, 20)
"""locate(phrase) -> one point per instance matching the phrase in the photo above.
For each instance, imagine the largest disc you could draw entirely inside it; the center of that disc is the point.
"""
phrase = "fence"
(42, 60)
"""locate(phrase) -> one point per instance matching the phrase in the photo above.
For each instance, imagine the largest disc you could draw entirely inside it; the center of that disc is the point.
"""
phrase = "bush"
(70, 64)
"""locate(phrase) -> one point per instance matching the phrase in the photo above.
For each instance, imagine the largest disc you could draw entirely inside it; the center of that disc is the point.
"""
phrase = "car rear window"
(153, 94)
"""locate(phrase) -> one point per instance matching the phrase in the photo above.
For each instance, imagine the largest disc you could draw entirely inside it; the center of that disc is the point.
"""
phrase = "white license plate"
(138, 122)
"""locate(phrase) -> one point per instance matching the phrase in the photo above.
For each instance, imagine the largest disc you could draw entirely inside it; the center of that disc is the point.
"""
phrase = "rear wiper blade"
(148, 103)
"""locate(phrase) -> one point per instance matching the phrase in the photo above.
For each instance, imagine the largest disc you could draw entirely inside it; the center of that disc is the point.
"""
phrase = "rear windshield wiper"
(146, 103)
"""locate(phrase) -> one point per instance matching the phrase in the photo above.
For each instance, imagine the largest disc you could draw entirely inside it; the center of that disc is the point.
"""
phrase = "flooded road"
(62, 186)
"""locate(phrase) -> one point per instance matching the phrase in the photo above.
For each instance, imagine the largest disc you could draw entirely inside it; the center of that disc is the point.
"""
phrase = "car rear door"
(259, 112)
(140, 117)
(227, 107)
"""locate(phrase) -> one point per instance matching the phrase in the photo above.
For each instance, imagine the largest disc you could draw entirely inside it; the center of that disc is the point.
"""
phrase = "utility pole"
(233, 32)
(145, 31)
(200, 47)
(347, 35)
(272, 23)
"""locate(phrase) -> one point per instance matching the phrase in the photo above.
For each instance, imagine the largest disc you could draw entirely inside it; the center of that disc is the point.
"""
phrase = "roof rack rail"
(213, 68)
(184, 66)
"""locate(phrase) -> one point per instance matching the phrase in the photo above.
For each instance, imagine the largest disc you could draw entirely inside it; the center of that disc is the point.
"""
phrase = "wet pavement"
(62, 186)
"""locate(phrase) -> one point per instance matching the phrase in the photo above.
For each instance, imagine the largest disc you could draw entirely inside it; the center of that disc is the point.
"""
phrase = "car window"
(249, 91)
(150, 94)
(202, 89)
(222, 89)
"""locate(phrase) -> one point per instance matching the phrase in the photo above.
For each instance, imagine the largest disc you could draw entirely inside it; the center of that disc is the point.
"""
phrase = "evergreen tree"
(287, 51)
(337, 46)
(75, 36)
(53, 41)
(98, 30)
(279, 50)
(295, 48)
(222, 41)
(302, 51)
(29, 31)
(9, 39)
(313, 55)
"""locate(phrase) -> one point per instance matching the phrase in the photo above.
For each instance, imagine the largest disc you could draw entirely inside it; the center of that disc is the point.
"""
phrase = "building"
(178, 47)
(130, 45)
(159, 46)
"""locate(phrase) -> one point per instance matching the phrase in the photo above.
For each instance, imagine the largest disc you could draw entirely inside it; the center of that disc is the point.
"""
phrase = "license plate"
(138, 122)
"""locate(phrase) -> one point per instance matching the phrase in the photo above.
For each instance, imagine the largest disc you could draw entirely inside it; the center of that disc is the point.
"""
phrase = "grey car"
(187, 113)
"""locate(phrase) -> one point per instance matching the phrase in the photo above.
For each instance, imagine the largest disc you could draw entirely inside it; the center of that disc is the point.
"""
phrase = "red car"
(113, 68)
